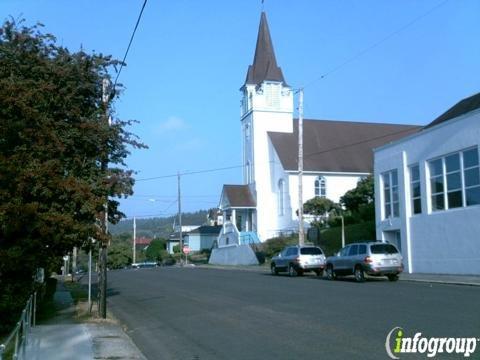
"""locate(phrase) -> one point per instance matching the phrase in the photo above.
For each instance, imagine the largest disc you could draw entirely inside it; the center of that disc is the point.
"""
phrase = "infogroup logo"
(397, 343)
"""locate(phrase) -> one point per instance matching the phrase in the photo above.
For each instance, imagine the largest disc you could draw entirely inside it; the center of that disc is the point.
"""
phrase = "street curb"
(442, 282)
(260, 270)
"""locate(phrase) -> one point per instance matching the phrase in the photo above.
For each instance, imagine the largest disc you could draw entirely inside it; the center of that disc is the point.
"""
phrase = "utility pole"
(134, 239)
(180, 213)
(103, 246)
(301, 231)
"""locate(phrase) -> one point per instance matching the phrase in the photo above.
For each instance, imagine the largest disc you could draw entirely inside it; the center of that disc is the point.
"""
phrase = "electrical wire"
(129, 43)
(378, 43)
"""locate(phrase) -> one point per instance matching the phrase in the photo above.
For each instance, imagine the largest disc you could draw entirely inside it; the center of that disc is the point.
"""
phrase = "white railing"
(19, 336)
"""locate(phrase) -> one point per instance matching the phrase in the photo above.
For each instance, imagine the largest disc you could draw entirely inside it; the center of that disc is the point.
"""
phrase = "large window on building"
(455, 180)
(415, 191)
(390, 194)
(320, 187)
(281, 197)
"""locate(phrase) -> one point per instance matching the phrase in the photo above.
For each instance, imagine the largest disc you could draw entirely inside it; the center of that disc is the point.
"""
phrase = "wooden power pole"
(102, 281)
(301, 231)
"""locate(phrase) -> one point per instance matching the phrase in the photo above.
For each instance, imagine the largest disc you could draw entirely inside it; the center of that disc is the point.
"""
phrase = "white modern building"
(337, 154)
(427, 191)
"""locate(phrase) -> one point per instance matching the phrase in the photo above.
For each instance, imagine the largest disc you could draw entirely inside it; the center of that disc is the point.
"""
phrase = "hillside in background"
(158, 227)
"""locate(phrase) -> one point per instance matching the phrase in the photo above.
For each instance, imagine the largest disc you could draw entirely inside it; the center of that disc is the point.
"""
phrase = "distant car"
(372, 258)
(297, 260)
(145, 264)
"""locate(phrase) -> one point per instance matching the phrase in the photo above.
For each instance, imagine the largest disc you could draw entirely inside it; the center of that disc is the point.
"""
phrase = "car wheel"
(291, 271)
(393, 277)
(359, 274)
(273, 269)
(330, 273)
(319, 272)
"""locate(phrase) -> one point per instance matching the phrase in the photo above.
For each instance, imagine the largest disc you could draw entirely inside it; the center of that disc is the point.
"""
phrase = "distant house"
(427, 193)
(202, 238)
(174, 238)
(142, 242)
(215, 217)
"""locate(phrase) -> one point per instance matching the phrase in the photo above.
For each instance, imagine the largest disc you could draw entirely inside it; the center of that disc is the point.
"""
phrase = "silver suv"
(372, 258)
(297, 260)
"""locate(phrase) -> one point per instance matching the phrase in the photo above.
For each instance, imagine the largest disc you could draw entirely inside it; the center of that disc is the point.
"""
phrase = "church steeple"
(264, 63)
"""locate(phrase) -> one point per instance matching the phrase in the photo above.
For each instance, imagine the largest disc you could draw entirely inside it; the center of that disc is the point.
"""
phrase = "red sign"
(186, 249)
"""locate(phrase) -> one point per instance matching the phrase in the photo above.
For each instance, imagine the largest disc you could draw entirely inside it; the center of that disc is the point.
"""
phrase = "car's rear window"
(383, 249)
(311, 251)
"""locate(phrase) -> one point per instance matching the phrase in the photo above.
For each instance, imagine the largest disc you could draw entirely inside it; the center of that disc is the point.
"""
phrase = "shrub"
(273, 246)
(331, 239)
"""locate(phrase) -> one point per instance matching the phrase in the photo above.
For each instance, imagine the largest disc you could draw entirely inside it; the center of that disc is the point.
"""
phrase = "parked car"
(372, 258)
(297, 260)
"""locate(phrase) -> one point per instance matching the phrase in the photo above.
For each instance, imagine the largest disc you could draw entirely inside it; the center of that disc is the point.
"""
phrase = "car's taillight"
(368, 260)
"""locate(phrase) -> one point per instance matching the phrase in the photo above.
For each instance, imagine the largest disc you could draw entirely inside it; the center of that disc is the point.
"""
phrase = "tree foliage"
(320, 206)
(156, 251)
(363, 194)
(54, 138)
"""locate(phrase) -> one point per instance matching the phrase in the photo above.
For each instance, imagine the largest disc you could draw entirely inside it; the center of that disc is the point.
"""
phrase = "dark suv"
(372, 258)
(299, 259)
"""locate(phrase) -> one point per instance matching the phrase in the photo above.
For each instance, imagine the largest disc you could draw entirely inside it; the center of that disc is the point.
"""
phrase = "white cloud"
(173, 123)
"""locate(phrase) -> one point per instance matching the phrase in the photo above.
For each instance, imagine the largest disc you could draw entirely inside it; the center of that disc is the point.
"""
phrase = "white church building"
(337, 154)
(427, 193)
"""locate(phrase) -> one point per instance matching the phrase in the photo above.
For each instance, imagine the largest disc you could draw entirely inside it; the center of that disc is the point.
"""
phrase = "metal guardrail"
(19, 335)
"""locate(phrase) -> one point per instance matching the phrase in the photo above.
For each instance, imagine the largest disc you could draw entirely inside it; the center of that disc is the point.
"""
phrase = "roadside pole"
(103, 246)
(134, 239)
(301, 231)
(180, 214)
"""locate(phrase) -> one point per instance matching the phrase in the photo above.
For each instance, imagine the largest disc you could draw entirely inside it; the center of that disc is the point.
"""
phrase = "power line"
(409, 129)
(378, 43)
(130, 43)
(191, 173)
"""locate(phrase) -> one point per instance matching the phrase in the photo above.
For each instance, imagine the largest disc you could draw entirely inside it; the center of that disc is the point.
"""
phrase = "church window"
(281, 197)
(320, 187)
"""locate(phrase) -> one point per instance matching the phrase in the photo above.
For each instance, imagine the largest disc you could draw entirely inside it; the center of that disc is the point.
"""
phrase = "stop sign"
(186, 249)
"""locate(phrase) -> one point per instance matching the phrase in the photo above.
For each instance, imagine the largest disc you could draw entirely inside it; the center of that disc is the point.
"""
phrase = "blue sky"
(189, 58)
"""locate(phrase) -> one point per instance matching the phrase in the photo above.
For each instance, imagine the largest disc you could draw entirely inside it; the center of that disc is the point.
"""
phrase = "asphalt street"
(200, 313)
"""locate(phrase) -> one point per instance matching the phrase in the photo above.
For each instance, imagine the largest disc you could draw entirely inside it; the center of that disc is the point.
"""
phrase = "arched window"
(320, 187)
(281, 197)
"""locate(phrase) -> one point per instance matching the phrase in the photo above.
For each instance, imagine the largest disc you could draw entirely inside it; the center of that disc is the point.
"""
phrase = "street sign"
(186, 250)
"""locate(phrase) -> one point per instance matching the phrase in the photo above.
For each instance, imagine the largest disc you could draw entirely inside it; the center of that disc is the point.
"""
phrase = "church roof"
(462, 107)
(336, 146)
(264, 63)
(238, 196)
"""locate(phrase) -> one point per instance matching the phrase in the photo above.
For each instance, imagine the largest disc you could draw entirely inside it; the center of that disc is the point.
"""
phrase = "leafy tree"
(156, 251)
(320, 206)
(54, 138)
(363, 194)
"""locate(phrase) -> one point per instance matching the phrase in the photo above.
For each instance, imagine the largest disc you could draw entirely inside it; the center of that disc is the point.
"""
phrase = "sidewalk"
(62, 337)
(470, 280)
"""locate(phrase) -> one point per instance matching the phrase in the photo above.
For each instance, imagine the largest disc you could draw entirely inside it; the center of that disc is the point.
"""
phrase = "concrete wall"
(444, 241)
(233, 255)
